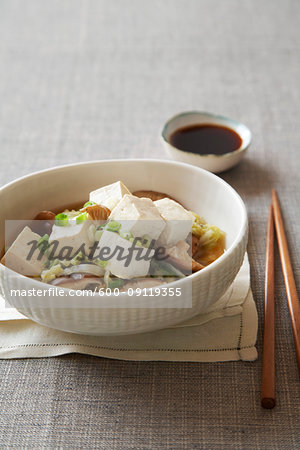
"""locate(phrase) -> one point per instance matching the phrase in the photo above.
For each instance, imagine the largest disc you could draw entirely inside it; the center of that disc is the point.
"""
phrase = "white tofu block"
(178, 222)
(116, 256)
(16, 256)
(110, 195)
(139, 216)
(73, 235)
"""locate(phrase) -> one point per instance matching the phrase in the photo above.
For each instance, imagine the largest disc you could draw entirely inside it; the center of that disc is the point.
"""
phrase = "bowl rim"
(243, 147)
(226, 255)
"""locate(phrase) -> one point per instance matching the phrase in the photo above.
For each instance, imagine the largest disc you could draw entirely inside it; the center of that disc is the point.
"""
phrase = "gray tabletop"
(82, 80)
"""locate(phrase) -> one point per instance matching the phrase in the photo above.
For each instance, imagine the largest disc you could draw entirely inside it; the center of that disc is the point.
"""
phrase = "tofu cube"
(178, 222)
(118, 249)
(19, 258)
(109, 195)
(73, 235)
(139, 216)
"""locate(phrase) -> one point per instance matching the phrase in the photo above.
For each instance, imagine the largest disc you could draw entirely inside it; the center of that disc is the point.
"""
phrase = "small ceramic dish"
(213, 163)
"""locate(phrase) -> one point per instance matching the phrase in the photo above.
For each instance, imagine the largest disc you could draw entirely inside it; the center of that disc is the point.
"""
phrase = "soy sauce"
(206, 139)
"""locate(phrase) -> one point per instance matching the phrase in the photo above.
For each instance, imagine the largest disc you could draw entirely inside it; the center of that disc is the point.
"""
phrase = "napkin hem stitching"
(130, 349)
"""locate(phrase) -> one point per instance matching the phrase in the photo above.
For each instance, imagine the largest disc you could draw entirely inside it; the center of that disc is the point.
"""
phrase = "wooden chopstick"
(290, 285)
(268, 394)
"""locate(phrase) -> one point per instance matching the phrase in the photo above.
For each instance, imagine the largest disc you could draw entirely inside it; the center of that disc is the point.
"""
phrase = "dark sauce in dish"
(204, 139)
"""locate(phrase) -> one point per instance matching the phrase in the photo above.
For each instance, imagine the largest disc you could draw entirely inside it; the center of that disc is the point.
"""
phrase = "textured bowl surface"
(197, 189)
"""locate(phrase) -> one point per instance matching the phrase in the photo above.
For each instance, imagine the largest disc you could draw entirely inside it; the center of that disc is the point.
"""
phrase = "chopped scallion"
(43, 243)
(127, 235)
(61, 220)
(90, 203)
(101, 263)
(81, 218)
(78, 258)
(146, 241)
(113, 226)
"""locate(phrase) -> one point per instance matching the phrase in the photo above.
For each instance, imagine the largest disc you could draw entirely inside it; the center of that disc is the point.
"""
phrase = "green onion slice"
(146, 241)
(127, 235)
(113, 226)
(61, 220)
(101, 263)
(81, 218)
(89, 203)
(43, 243)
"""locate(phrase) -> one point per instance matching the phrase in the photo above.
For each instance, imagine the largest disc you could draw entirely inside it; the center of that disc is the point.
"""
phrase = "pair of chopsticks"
(268, 394)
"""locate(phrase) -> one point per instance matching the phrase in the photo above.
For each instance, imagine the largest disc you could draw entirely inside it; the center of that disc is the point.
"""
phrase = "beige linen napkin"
(226, 332)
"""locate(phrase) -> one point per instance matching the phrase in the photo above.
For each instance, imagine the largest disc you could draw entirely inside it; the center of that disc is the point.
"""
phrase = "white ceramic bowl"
(213, 163)
(197, 189)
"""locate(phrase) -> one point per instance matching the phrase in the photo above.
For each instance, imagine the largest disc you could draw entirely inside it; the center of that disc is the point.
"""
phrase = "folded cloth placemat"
(227, 332)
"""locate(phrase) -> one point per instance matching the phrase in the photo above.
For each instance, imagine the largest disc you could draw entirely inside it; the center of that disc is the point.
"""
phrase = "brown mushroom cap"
(97, 212)
(45, 215)
(43, 222)
(153, 195)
